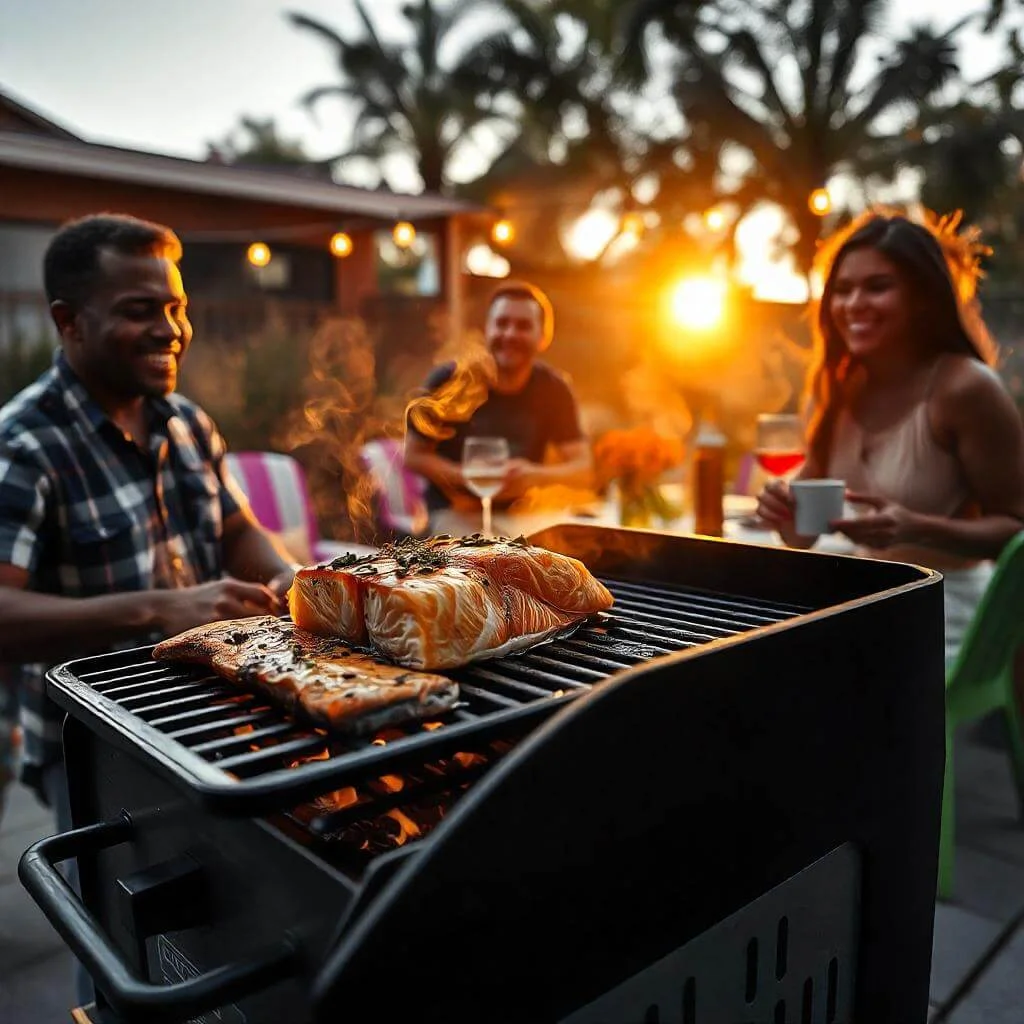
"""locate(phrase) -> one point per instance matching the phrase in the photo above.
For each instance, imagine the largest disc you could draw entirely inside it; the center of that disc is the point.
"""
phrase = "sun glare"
(773, 277)
(698, 303)
(482, 261)
(588, 237)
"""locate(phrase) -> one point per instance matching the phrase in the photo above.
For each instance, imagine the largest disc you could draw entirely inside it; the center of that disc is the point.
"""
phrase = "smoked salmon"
(319, 678)
(443, 602)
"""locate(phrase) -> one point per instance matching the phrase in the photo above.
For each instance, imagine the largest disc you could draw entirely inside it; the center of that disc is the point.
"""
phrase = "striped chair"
(275, 485)
(398, 494)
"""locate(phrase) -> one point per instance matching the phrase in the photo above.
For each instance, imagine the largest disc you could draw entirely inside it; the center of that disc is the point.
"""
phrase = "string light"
(820, 202)
(714, 219)
(258, 254)
(632, 224)
(403, 234)
(503, 232)
(341, 244)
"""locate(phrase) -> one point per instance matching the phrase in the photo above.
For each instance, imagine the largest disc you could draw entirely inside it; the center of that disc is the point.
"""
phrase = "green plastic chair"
(980, 680)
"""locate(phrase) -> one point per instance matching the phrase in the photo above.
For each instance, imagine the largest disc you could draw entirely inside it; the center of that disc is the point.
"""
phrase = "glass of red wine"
(780, 444)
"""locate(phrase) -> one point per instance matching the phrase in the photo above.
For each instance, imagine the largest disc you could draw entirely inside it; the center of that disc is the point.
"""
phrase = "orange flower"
(638, 455)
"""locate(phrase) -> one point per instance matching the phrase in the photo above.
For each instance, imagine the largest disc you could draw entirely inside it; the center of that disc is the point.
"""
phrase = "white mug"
(818, 503)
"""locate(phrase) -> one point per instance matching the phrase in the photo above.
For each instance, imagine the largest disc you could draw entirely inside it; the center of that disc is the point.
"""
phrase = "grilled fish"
(316, 677)
(444, 602)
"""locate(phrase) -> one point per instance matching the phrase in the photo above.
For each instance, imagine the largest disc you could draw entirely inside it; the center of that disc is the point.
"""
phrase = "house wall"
(44, 200)
(47, 199)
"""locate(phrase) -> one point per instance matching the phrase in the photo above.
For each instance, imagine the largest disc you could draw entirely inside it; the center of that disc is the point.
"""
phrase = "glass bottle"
(708, 481)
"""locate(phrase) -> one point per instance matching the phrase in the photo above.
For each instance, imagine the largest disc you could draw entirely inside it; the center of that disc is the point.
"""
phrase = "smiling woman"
(907, 410)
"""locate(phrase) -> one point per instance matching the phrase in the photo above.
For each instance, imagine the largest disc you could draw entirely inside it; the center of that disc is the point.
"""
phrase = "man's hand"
(228, 598)
(520, 475)
(889, 524)
(281, 583)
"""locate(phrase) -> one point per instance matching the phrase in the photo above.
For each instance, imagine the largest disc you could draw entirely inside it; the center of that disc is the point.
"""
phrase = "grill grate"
(240, 752)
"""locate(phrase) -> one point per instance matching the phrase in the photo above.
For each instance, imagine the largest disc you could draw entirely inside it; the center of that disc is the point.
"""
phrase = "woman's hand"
(887, 525)
(775, 505)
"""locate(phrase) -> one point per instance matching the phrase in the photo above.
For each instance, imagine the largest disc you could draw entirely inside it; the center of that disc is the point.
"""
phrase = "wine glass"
(780, 444)
(484, 465)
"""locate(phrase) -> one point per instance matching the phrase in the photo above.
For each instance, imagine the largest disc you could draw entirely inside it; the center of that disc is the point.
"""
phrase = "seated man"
(528, 403)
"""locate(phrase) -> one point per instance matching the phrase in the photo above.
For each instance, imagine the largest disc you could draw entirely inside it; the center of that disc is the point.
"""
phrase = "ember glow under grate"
(237, 746)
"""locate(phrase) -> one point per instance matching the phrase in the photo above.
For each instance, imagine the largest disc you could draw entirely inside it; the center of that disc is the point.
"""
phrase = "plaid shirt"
(87, 512)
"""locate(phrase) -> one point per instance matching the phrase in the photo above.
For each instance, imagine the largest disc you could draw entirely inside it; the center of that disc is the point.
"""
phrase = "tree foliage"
(422, 98)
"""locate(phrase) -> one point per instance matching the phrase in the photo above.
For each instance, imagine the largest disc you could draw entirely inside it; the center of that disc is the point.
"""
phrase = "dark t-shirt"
(542, 414)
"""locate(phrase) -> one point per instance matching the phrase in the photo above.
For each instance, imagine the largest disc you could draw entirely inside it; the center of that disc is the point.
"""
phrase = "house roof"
(72, 156)
(31, 119)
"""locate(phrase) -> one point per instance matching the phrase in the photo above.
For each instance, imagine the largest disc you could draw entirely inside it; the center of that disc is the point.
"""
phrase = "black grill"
(242, 755)
(719, 803)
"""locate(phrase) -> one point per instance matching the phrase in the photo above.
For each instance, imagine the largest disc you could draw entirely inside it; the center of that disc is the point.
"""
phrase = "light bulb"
(820, 202)
(503, 232)
(404, 234)
(258, 254)
(341, 244)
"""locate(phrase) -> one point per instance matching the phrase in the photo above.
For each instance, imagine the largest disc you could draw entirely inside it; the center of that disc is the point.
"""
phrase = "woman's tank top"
(904, 463)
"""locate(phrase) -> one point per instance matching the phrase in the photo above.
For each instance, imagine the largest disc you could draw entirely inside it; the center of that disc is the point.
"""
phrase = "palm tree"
(788, 84)
(966, 146)
(577, 135)
(410, 101)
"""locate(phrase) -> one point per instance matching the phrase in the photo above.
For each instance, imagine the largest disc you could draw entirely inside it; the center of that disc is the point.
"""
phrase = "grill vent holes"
(807, 1009)
(751, 989)
(781, 948)
(780, 1012)
(832, 995)
(690, 1001)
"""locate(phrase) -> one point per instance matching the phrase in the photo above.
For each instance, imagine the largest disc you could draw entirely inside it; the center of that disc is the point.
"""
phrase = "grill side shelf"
(235, 753)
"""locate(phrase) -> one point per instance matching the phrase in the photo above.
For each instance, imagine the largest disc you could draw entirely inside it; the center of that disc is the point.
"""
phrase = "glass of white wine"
(484, 465)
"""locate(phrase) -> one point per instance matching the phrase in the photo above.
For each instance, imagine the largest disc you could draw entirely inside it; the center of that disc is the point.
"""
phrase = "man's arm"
(251, 553)
(45, 627)
(569, 461)
(421, 457)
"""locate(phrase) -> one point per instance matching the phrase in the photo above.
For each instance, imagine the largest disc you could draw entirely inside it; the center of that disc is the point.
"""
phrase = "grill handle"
(132, 998)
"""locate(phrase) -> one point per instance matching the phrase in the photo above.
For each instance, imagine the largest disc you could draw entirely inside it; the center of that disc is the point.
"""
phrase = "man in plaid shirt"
(118, 520)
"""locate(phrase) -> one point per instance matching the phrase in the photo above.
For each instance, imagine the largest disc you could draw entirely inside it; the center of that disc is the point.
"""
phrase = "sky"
(173, 76)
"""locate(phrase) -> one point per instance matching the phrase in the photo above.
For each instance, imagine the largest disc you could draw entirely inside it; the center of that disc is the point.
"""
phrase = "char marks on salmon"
(314, 677)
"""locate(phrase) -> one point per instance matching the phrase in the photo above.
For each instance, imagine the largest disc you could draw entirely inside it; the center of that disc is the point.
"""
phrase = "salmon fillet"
(444, 602)
(319, 678)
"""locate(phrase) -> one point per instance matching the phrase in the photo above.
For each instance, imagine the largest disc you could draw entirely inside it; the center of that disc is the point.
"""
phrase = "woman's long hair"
(941, 267)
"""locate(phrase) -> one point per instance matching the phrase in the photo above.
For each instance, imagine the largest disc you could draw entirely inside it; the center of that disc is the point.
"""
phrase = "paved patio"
(978, 952)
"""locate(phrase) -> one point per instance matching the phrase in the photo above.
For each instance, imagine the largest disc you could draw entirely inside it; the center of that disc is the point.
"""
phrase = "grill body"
(779, 786)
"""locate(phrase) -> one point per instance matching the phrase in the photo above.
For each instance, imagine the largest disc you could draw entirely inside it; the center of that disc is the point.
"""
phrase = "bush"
(21, 363)
(250, 392)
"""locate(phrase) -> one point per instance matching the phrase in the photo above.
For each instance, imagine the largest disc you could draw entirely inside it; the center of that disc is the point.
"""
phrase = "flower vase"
(635, 505)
